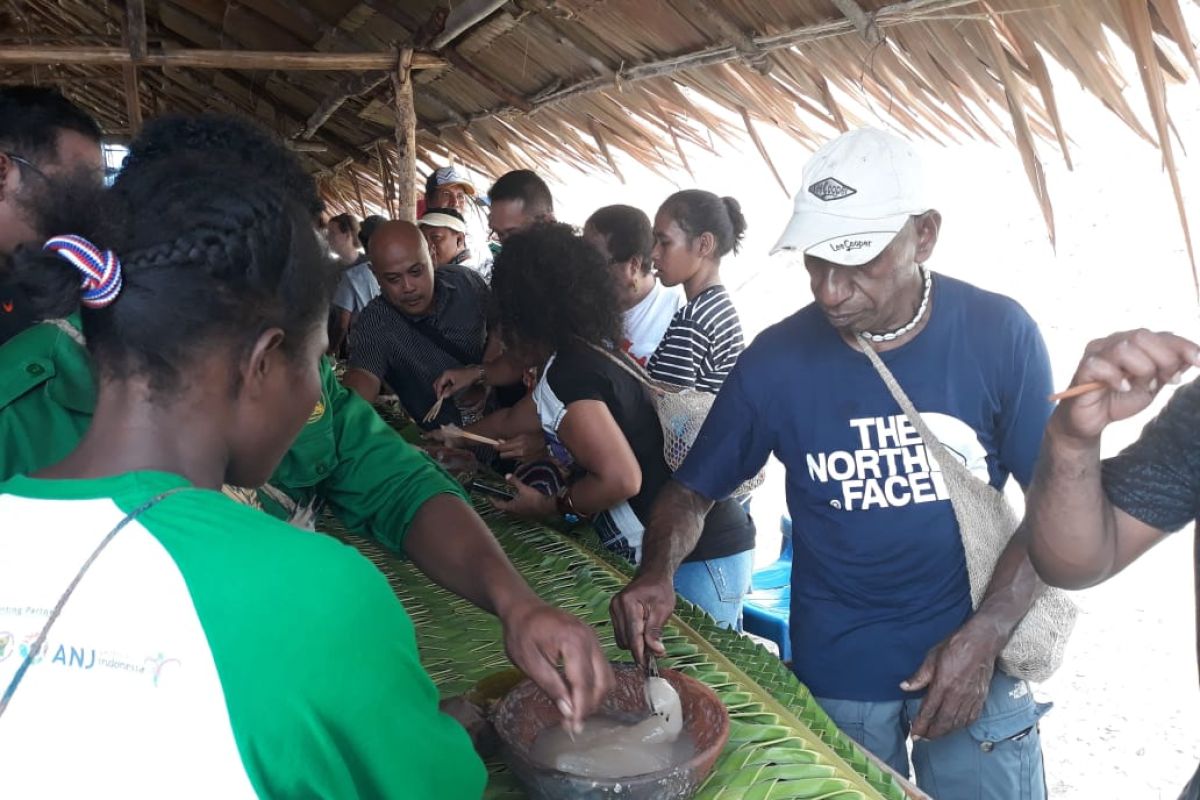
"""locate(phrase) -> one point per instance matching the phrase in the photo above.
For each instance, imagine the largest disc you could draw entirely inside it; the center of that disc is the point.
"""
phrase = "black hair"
(552, 289)
(526, 186)
(221, 137)
(368, 227)
(697, 211)
(346, 223)
(207, 252)
(449, 212)
(31, 118)
(626, 231)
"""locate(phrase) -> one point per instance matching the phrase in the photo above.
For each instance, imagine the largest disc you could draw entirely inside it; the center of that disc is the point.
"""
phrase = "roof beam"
(751, 53)
(196, 58)
(456, 59)
(864, 22)
(463, 16)
(356, 85)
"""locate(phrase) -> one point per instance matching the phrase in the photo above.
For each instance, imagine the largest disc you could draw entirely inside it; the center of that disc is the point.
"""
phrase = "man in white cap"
(446, 234)
(882, 626)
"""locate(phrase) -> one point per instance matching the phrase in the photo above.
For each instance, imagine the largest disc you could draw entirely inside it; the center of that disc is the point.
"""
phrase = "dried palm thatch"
(553, 83)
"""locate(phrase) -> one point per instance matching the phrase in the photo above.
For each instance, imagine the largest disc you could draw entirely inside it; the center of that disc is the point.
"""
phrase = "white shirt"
(646, 322)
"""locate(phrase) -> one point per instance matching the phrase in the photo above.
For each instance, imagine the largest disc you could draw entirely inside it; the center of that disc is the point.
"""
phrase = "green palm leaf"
(781, 744)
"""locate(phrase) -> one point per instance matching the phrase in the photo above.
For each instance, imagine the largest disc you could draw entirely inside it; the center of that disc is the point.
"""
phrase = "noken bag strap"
(945, 460)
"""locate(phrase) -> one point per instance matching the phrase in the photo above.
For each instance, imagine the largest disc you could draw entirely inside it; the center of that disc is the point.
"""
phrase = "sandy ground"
(1127, 705)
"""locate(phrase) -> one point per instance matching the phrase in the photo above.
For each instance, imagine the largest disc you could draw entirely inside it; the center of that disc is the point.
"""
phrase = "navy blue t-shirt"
(878, 576)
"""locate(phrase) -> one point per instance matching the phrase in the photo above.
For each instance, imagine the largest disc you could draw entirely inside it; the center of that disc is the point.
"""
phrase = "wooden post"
(406, 138)
(135, 39)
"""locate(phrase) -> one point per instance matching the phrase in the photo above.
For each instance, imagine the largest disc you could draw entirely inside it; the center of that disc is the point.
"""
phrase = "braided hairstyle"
(551, 289)
(223, 138)
(209, 256)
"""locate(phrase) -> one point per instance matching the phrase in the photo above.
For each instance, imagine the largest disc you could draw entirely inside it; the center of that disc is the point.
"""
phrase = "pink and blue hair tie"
(101, 269)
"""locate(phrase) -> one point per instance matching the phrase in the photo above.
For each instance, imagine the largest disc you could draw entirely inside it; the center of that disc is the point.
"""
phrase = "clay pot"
(526, 711)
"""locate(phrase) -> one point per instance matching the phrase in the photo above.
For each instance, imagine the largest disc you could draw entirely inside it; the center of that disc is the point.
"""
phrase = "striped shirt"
(702, 343)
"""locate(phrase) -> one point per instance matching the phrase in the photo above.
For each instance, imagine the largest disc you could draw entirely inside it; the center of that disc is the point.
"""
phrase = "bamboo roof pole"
(198, 58)
(406, 138)
(747, 48)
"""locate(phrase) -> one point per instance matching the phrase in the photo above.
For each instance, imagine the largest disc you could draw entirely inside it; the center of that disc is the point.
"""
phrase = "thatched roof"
(553, 83)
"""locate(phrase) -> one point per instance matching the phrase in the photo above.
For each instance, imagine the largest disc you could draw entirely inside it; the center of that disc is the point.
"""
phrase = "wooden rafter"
(197, 58)
(750, 52)
(135, 39)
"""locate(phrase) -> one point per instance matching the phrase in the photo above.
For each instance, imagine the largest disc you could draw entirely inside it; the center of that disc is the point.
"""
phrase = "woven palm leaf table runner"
(781, 744)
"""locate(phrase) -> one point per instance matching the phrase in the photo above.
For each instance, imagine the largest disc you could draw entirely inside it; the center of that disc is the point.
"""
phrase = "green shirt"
(346, 455)
(209, 650)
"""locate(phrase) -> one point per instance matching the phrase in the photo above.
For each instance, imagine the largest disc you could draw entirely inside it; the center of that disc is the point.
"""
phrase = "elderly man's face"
(876, 296)
(27, 182)
(444, 244)
(451, 196)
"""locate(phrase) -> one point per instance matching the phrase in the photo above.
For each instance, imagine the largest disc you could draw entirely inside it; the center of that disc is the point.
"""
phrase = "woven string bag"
(681, 414)
(986, 523)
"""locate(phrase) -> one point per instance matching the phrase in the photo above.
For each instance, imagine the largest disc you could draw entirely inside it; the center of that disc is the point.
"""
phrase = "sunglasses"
(28, 164)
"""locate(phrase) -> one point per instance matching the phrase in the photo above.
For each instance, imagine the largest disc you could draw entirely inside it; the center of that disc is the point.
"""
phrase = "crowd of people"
(167, 352)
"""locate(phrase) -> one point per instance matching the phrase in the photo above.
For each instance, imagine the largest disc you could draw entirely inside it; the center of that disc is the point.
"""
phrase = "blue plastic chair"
(767, 608)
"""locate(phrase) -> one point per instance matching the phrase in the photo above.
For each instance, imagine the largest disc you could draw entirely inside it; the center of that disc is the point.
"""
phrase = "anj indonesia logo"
(890, 467)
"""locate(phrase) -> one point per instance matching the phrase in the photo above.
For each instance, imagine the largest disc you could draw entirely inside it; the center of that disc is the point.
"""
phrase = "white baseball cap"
(443, 218)
(858, 191)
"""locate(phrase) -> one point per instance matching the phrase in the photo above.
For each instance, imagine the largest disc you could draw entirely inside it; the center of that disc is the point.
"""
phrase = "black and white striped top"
(702, 343)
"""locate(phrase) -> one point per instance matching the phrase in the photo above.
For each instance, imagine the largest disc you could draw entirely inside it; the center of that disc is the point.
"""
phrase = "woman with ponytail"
(693, 231)
(161, 639)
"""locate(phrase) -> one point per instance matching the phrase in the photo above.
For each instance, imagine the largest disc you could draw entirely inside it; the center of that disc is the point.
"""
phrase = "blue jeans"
(717, 586)
(997, 757)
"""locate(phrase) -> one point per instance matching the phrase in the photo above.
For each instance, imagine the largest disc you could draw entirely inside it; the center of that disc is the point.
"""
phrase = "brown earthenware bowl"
(526, 711)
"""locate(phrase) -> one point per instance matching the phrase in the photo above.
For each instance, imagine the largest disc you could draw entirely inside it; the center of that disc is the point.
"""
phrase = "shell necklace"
(916, 320)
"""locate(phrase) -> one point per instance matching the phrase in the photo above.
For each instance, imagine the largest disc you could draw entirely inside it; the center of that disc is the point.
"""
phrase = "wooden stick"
(454, 430)
(1075, 391)
(217, 59)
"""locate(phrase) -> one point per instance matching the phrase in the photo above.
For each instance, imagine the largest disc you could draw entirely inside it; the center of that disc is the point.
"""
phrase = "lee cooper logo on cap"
(831, 189)
(862, 188)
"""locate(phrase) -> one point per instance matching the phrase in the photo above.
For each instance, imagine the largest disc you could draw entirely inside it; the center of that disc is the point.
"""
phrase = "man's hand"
(538, 638)
(957, 674)
(523, 447)
(528, 502)
(639, 612)
(1133, 366)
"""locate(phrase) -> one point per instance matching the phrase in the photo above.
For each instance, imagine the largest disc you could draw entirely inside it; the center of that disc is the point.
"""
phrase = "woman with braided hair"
(345, 458)
(155, 638)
